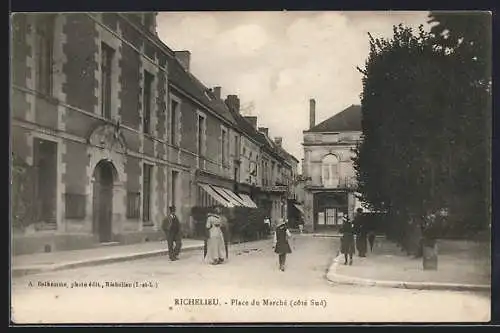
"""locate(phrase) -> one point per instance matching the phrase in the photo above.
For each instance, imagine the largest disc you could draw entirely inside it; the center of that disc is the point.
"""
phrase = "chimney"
(252, 120)
(312, 113)
(184, 58)
(278, 140)
(264, 130)
(233, 102)
(216, 91)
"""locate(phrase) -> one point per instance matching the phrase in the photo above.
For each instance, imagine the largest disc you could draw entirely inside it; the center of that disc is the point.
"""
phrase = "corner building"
(89, 129)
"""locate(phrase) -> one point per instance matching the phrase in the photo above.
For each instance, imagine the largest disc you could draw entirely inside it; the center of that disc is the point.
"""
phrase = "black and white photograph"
(250, 167)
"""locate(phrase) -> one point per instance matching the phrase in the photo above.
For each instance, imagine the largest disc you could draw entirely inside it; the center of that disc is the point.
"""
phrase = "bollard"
(430, 257)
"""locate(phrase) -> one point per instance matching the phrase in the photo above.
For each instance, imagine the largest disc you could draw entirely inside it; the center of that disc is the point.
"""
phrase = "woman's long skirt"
(216, 248)
(347, 244)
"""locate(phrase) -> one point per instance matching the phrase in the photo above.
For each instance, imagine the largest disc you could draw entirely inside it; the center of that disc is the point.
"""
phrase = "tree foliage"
(425, 122)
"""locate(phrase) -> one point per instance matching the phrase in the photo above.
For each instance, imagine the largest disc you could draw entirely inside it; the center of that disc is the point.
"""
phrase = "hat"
(281, 222)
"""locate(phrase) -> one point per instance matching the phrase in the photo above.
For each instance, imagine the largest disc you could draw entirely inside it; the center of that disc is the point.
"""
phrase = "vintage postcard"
(250, 167)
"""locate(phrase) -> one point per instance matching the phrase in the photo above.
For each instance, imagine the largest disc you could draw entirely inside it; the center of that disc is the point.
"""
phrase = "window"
(236, 147)
(173, 190)
(133, 205)
(146, 192)
(273, 176)
(44, 44)
(329, 170)
(224, 146)
(263, 173)
(45, 163)
(201, 130)
(173, 122)
(107, 54)
(75, 206)
(237, 174)
(147, 101)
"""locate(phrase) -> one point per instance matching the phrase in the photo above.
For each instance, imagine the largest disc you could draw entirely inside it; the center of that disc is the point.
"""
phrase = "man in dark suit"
(172, 229)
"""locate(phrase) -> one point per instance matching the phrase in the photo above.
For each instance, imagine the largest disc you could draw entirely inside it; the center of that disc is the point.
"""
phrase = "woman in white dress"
(216, 249)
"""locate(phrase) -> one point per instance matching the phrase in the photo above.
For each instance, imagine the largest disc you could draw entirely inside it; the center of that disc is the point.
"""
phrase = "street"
(248, 288)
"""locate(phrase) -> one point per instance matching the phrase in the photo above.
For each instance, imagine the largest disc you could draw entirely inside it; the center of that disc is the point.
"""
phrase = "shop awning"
(218, 197)
(235, 197)
(299, 208)
(228, 195)
(248, 201)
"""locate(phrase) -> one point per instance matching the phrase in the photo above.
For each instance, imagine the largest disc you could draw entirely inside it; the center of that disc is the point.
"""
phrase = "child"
(281, 245)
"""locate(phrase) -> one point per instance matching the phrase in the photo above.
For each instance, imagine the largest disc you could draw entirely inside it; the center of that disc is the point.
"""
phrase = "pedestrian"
(347, 240)
(281, 245)
(216, 246)
(267, 225)
(361, 233)
(172, 229)
(301, 224)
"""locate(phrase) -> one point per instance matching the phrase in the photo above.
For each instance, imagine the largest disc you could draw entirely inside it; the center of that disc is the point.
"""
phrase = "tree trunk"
(430, 255)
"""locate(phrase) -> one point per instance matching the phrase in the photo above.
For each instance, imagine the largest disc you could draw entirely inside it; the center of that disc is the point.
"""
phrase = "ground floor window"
(75, 206)
(330, 217)
(146, 192)
(45, 167)
(133, 205)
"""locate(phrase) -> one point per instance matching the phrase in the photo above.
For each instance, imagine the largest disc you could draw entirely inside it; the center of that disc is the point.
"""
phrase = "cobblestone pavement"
(300, 294)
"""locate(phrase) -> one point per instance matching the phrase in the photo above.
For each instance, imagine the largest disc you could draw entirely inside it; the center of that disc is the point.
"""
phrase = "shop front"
(329, 208)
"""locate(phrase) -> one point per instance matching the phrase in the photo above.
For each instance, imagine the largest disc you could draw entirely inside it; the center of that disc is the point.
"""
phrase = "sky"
(276, 61)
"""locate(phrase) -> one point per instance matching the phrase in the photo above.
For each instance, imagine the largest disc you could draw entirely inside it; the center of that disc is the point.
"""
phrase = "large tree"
(467, 37)
(402, 116)
(424, 107)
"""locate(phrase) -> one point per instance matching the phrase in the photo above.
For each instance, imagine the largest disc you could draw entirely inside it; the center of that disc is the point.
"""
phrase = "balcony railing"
(338, 182)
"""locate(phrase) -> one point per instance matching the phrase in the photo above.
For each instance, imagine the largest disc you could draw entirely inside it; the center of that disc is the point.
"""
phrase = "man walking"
(172, 229)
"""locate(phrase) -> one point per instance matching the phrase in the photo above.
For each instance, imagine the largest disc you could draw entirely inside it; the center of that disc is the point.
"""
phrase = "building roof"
(188, 83)
(347, 120)
(247, 128)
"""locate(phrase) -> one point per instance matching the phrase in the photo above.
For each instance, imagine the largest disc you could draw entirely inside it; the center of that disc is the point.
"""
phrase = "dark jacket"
(171, 226)
(281, 240)
(347, 240)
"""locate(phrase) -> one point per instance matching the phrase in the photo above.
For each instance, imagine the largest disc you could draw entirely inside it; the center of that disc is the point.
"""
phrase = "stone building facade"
(110, 128)
(330, 179)
(89, 122)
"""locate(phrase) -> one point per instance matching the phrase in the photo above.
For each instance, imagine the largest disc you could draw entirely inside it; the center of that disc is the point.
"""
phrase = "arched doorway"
(102, 201)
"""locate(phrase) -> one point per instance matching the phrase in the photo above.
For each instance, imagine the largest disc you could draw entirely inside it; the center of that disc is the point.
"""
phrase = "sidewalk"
(462, 265)
(43, 262)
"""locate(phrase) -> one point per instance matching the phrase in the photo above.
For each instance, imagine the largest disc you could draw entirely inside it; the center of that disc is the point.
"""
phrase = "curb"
(336, 236)
(347, 280)
(22, 271)
(326, 236)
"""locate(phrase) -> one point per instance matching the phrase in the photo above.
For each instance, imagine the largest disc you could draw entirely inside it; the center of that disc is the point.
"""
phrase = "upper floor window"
(201, 135)
(174, 111)
(224, 146)
(236, 146)
(147, 101)
(329, 170)
(107, 54)
(44, 40)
